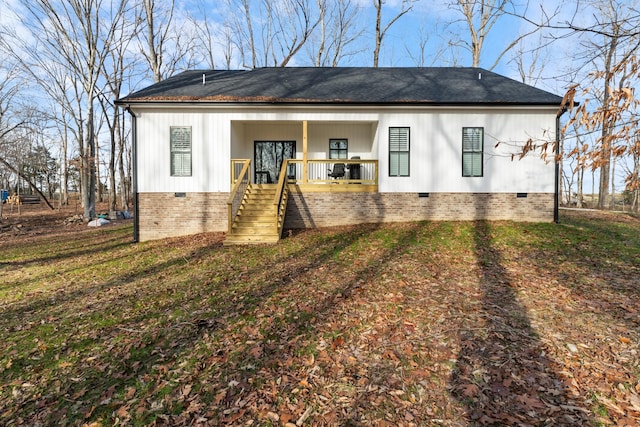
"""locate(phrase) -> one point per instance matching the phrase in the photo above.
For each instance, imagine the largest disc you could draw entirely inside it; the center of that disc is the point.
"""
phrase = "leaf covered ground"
(413, 324)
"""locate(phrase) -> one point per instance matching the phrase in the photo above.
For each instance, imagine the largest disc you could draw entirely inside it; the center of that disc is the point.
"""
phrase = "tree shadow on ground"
(239, 295)
(599, 263)
(502, 375)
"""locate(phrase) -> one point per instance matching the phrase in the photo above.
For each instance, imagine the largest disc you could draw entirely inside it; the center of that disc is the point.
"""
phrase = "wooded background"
(64, 63)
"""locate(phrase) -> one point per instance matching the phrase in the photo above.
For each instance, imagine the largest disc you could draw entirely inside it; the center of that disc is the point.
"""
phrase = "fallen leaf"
(531, 402)
(470, 390)
(131, 391)
(304, 383)
(186, 390)
(337, 342)
(122, 412)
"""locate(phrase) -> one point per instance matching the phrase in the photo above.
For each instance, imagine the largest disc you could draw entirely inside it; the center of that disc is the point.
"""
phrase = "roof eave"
(128, 102)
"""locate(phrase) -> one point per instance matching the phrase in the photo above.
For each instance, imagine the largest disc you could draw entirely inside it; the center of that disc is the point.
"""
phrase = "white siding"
(436, 142)
(436, 152)
(210, 156)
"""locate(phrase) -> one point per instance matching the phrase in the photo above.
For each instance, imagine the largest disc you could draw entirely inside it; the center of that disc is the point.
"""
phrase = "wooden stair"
(256, 220)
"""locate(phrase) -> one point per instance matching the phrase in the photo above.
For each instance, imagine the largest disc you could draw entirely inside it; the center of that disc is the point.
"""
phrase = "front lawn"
(414, 324)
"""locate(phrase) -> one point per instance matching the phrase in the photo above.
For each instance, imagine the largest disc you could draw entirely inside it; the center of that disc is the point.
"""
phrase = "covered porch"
(262, 181)
(320, 152)
(313, 175)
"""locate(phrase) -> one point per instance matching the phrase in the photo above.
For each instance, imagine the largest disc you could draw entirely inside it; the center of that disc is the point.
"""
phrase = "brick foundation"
(310, 210)
(165, 215)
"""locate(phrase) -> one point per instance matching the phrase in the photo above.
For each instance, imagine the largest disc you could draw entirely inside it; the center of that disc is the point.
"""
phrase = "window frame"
(408, 151)
(175, 152)
(472, 153)
(339, 150)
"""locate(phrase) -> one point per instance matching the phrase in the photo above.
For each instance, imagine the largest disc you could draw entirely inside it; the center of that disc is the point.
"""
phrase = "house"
(251, 152)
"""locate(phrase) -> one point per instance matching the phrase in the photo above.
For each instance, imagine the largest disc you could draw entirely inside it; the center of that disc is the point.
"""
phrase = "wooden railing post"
(280, 190)
(238, 185)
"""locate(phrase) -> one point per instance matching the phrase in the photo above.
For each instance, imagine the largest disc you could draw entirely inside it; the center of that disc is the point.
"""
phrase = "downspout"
(556, 198)
(134, 172)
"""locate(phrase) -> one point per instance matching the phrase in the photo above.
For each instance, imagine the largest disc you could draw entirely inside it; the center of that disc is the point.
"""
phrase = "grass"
(450, 323)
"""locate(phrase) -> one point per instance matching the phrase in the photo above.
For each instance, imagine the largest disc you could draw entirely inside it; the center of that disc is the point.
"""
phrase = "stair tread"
(256, 221)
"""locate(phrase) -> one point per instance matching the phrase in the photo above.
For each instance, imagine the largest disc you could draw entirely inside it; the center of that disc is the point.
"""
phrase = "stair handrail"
(278, 199)
(239, 185)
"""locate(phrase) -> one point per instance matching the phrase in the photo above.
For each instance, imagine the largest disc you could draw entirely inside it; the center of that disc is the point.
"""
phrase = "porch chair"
(338, 171)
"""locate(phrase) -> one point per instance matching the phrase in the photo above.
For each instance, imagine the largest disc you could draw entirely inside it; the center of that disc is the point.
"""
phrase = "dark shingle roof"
(384, 86)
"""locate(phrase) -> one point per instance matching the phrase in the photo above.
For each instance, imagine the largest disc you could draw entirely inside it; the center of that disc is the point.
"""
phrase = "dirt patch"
(27, 221)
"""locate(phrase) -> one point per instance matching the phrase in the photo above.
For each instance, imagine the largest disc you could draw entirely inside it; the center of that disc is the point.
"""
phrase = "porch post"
(304, 152)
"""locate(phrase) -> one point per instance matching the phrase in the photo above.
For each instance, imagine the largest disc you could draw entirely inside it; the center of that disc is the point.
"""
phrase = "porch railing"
(357, 171)
(240, 179)
(281, 197)
(236, 169)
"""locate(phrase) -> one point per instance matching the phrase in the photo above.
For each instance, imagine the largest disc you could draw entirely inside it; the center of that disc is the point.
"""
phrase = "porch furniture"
(354, 168)
(338, 171)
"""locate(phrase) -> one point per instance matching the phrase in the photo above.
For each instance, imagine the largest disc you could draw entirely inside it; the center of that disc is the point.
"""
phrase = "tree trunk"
(154, 59)
(64, 199)
(376, 50)
(612, 179)
(124, 187)
(88, 170)
(115, 133)
(579, 195)
(96, 165)
(636, 183)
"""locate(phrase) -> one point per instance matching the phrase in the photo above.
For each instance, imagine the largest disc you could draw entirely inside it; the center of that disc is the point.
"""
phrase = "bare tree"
(479, 18)
(21, 158)
(294, 28)
(155, 35)
(205, 35)
(9, 123)
(633, 174)
(40, 64)
(242, 30)
(381, 30)
(9, 120)
(338, 30)
(607, 122)
(531, 61)
(166, 44)
(609, 95)
(271, 32)
(419, 58)
(78, 34)
(616, 51)
(116, 66)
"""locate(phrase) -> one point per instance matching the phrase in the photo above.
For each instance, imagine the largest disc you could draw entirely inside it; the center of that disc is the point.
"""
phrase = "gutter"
(134, 172)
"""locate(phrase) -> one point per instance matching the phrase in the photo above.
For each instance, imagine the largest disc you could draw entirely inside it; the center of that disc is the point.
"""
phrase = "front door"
(269, 156)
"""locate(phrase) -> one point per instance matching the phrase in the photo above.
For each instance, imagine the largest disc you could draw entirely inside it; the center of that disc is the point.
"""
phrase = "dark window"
(472, 151)
(180, 150)
(338, 148)
(399, 151)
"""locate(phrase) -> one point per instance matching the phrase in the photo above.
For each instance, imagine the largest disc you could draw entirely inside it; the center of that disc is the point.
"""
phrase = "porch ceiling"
(310, 122)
